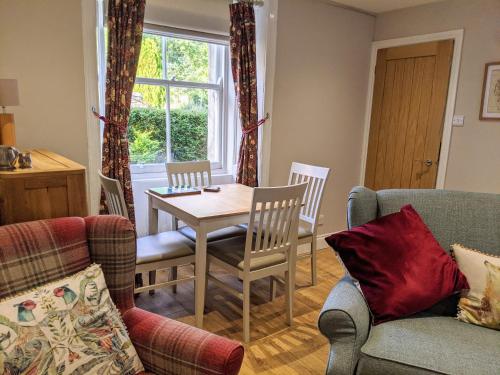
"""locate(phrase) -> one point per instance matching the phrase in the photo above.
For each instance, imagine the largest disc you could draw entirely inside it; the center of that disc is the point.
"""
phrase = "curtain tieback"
(122, 125)
(255, 126)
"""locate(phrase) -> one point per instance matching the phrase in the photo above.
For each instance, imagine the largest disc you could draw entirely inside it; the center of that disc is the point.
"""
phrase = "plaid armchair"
(39, 252)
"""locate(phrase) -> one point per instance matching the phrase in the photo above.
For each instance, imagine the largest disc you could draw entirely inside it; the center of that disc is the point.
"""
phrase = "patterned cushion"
(67, 326)
(38, 252)
(481, 305)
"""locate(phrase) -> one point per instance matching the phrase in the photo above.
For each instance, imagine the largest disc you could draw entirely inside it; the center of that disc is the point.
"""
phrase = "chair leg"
(206, 280)
(289, 290)
(173, 276)
(246, 310)
(152, 281)
(314, 270)
(272, 288)
(138, 280)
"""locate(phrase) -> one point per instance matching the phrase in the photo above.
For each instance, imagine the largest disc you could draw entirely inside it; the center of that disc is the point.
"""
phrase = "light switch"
(458, 120)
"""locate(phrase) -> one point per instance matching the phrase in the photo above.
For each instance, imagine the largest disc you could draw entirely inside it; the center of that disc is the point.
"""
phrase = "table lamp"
(9, 96)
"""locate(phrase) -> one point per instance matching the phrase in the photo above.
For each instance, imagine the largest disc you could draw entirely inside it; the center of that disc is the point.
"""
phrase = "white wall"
(322, 63)
(474, 160)
(41, 46)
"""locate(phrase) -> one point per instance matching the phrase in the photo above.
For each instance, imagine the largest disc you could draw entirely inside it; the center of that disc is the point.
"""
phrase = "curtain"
(125, 24)
(244, 64)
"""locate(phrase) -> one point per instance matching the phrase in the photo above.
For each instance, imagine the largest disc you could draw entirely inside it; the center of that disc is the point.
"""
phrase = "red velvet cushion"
(400, 266)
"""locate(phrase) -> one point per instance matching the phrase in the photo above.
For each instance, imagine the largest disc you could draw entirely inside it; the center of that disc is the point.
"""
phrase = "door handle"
(427, 162)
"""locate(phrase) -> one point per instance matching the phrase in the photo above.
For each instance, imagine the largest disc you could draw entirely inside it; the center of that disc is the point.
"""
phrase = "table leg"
(200, 273)
(152, 217)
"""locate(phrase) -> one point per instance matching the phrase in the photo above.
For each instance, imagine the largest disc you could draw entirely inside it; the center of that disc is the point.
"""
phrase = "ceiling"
(380, 6)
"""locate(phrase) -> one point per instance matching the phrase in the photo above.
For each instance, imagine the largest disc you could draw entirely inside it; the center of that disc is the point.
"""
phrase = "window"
(178, 110)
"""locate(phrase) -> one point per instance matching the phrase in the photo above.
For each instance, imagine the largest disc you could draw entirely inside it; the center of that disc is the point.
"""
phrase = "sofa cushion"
(431, 344)
(37, 252)
(400, 266)
(453, 216)
(69, 326)
(481, 304)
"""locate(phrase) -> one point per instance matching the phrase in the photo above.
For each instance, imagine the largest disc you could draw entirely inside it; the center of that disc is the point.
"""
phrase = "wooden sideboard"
(53, 187)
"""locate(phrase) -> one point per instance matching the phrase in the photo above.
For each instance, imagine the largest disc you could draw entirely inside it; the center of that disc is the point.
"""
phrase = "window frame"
(221, 166)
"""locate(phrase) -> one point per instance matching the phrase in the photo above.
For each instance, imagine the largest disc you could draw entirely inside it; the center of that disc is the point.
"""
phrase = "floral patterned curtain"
(125, 24)
(243, 63)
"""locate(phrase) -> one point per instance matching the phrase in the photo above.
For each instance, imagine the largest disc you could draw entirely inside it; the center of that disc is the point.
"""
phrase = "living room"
(349, 93)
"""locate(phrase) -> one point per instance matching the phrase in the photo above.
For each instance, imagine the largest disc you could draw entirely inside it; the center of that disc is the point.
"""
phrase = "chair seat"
(162, 246)
(430, 344)
(304, 229)
(217, 235)
(232, 252)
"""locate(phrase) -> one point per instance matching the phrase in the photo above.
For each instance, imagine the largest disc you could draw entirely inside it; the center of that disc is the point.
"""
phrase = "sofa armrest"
(167, 346)
(362, 206)
(345, 321)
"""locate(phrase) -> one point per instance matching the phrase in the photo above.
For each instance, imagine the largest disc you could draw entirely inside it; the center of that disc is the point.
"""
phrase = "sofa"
(38, 252)
(433, 341)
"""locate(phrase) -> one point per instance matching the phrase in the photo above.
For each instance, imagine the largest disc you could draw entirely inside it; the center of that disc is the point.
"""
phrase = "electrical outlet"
(458, 120)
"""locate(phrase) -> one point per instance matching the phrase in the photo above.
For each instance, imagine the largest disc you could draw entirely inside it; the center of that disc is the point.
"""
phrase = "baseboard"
(320, 244)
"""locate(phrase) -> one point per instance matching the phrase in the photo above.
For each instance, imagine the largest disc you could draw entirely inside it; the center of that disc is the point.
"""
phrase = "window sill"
(218, 175)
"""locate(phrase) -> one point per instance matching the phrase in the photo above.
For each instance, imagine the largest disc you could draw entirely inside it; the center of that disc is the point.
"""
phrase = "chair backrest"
(193, 173)
(316, 178)
(114, 196)
(274, 218)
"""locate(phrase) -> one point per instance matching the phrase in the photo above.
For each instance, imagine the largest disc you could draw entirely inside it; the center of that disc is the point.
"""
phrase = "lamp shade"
(9, 95)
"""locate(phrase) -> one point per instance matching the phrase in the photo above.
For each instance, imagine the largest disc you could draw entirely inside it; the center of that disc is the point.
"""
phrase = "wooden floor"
(275, 348)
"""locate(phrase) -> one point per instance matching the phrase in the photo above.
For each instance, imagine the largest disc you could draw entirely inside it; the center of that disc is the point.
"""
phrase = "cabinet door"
(46, 197)
(42, 197)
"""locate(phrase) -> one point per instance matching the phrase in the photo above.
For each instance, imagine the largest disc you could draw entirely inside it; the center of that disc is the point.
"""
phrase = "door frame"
(457, 36)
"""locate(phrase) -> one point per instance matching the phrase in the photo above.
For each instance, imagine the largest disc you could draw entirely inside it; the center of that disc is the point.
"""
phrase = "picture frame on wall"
(490, 100)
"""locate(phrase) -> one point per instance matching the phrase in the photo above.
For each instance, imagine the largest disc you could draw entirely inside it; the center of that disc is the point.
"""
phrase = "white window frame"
(227, 140)
(219, 167)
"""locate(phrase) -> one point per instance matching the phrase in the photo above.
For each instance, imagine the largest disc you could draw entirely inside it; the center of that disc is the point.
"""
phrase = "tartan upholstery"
(166, 346)
(111, 242)
(38, 252)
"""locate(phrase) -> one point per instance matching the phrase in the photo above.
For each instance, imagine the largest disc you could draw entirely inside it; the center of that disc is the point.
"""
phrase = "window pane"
(147, 125)
(150, 59)
(187, 60)
(194, 124)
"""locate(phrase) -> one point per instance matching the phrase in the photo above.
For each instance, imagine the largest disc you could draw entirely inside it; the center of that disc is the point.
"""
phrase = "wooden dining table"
(204, 213)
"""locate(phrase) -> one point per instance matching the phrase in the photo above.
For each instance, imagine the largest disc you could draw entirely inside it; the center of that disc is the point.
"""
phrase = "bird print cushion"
(481, 304)
(66, 327)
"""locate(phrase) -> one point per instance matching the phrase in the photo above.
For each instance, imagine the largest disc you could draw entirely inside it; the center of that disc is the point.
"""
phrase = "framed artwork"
(490, 101)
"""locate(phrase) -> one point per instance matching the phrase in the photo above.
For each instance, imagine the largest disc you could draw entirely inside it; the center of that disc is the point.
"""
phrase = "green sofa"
(426, 343)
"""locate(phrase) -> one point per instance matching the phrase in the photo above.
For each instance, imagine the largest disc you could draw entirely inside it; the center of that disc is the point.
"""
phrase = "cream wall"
(474, 160)
(322, 63)
(41, 45)
(202, 15)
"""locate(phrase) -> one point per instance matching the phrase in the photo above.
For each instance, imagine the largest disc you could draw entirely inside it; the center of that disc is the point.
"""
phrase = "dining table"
(204, 213)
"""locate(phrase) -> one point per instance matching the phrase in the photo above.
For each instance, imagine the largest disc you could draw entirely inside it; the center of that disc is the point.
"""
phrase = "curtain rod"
(254, 2)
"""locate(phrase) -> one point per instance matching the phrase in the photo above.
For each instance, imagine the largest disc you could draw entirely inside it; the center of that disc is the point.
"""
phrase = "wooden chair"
(316, 178)
(270, 251)
(198, 174)
(159, 251)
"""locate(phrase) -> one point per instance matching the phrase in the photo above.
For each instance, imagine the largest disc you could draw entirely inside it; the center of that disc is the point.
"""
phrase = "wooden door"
(409, 101)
